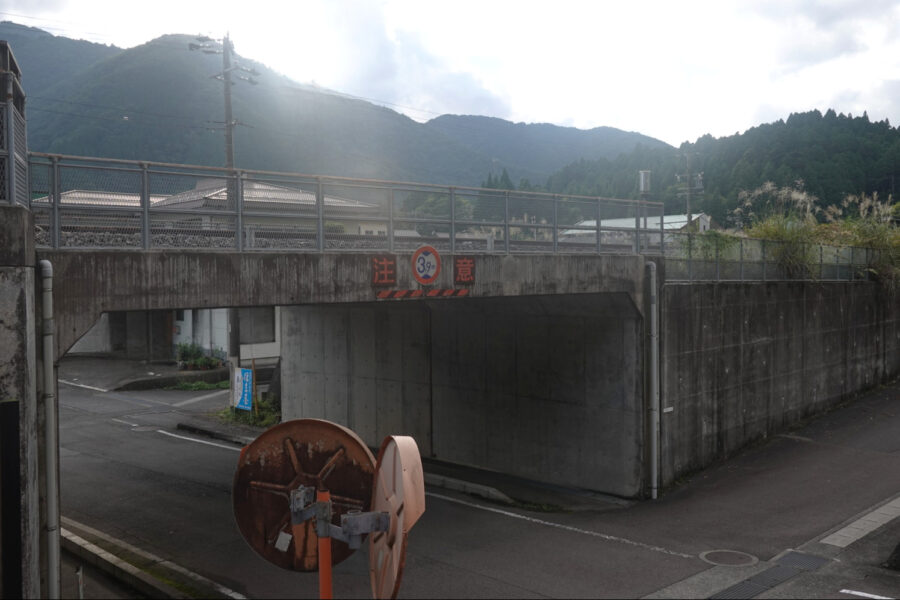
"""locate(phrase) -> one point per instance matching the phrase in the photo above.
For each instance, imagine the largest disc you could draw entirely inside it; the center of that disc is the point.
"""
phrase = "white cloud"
(670, 70)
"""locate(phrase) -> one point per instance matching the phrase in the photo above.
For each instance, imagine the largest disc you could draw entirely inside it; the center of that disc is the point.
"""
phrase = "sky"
(671, 70)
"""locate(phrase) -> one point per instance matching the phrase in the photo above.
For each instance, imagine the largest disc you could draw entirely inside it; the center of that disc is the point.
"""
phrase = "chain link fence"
(719, 257)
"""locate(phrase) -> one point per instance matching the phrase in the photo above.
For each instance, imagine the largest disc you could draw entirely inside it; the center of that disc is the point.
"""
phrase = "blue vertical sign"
(243, 389)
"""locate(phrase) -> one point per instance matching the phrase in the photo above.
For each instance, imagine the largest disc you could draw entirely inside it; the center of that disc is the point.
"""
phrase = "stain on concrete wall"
(743, 361)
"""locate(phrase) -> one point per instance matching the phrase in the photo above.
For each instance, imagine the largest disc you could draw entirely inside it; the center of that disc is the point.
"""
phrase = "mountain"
(46, 59)
(159, 102)
(532, 147)
(832, 154)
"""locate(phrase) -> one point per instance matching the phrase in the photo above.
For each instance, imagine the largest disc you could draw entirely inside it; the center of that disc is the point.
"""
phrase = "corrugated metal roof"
(669, 223)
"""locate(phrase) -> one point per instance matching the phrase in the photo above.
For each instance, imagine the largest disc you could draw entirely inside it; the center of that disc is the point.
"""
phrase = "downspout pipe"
(51, 432)
(654, 382)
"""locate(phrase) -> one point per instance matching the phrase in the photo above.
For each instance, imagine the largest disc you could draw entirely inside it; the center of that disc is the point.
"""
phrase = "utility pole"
(234, 315)
(692, 182)
(227, 49)
(234, 323)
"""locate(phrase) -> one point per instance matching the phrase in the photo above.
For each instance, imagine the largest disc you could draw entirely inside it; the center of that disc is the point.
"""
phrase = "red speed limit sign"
(426, 265)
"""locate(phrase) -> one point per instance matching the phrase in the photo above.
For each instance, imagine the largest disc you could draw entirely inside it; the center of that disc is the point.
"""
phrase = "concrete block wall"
(366, 367)
(743, 361)
(548, 388)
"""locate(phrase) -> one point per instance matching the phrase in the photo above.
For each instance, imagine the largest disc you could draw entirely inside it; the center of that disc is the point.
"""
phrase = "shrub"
(786, 216)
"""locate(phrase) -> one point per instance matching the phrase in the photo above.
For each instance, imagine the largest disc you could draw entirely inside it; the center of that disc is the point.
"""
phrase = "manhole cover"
(728, 558)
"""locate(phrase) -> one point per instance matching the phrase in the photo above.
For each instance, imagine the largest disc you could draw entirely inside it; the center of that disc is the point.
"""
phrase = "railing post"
(763, 243)
(852, 263)
(637, 228)
(555, 223)
(452, 220)
(718, 272)
(690, 257)
(145, 206)
(741, 257)
(391, 220)
(239, 209)
(54, 203)
(662, 231)
(320, 215)
(821, 262)
(599, 235)
(506, 219)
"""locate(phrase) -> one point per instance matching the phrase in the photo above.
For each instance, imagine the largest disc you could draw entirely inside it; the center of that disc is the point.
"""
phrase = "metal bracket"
(354, 526)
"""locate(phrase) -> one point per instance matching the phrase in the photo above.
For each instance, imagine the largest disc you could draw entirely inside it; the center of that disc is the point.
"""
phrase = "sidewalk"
(108, 374)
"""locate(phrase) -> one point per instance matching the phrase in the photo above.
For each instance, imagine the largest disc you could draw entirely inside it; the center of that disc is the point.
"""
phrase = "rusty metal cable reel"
(307, 452)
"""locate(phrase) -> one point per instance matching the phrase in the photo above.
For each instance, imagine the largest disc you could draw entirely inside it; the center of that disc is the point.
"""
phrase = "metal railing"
(704, 257)
(81, 202)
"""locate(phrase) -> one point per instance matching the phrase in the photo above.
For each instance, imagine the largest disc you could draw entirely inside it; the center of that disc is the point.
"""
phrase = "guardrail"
(81, 202)
(704, 257)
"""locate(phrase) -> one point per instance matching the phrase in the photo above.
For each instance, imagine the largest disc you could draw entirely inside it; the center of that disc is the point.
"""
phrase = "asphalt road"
(128, 471)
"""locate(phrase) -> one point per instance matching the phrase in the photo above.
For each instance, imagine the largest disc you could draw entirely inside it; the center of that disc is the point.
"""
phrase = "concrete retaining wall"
(547, 387)
(743, 361)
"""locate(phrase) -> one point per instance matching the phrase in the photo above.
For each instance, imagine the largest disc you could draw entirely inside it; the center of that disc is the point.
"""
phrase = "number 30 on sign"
(426, 265)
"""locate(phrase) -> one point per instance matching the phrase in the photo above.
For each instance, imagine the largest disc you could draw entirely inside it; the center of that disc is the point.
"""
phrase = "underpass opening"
(549, 388)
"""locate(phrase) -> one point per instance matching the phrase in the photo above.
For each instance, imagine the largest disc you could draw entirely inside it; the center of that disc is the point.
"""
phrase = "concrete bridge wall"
(96, 281)
(544, 387)
(743, 361)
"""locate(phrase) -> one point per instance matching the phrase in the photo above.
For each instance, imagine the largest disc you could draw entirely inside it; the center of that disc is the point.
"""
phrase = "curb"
(115, 567)
(467, 487)
(224, 437)
(152, 383)
(442, 481)
(141, 579)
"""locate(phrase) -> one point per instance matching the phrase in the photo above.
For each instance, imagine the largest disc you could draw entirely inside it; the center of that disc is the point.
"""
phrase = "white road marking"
(865, 595)
(125, 422)
(81, 385)
(199, 398)
(190, 439)
(864, 525)
(611, 538)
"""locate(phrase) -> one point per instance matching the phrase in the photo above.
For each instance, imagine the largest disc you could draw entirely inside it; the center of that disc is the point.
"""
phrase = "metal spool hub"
(304, 452)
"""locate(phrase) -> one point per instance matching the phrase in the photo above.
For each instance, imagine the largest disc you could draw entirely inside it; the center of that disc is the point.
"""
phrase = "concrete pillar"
(19, 473)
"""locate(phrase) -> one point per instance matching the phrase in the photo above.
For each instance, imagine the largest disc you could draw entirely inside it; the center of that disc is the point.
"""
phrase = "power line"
(50, 29)
(121, 108)
(100, 117)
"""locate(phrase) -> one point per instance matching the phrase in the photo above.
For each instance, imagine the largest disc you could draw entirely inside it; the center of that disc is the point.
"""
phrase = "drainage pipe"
(51, 432)
(654, 383)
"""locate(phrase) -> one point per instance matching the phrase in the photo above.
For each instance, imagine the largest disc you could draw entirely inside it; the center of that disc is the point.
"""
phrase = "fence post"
(391, 220)
(145, 206)
(718, 272)
(555, 223)
(741, 257)
(662, 231)
(320, 215)
(821, 262)
(506, 219)
(763, 242)
(637, 228)
(239, 207)
(690, 257)
(452, 220)
(599, 237)
(55, 225)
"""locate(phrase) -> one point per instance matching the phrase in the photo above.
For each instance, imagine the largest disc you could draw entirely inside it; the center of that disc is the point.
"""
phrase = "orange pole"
(324, 554)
